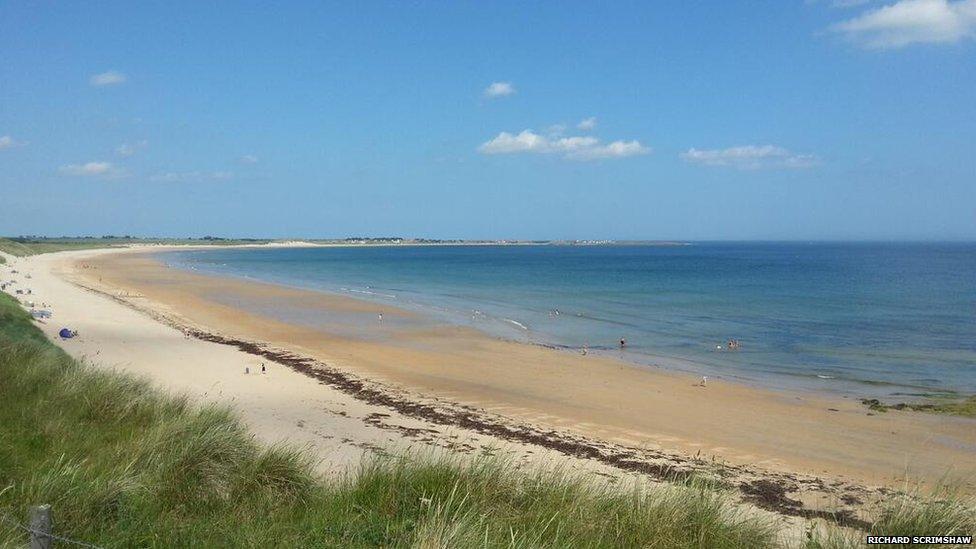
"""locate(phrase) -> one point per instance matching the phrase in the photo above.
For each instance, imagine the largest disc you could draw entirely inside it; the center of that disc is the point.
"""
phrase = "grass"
(123, 464)
(24, 246)
(947, 512)
(31, 245)
(943, 512)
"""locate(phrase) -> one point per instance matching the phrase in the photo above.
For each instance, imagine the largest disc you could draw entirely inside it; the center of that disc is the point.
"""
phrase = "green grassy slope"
(24, 246)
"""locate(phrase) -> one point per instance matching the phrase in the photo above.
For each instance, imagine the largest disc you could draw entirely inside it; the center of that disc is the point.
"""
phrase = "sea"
(859, 318)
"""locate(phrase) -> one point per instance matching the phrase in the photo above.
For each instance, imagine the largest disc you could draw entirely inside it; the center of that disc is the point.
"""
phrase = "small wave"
(367, 292)
(517, 323)
(825, 377)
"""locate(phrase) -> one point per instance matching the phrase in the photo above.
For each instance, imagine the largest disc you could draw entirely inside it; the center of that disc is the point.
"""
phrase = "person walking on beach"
(262, 368)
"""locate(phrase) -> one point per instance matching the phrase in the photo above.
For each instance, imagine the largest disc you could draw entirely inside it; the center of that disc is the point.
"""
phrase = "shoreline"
(877, 395)
(343, 408)
(764, 491)
(766, 362)
(634, 406)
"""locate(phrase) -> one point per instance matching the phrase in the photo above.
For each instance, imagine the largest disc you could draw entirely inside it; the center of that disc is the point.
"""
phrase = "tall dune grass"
(944, 511)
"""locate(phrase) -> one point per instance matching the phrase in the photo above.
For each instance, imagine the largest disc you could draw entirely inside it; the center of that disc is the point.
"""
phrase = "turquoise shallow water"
(864, 318)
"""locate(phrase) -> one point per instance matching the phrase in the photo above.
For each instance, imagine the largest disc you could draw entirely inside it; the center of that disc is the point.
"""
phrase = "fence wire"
(11, 521)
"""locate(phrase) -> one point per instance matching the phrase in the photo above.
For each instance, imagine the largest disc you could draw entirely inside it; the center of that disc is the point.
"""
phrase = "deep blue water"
(876, 318)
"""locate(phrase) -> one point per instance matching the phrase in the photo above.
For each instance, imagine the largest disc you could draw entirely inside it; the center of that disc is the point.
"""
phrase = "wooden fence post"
(41, 527)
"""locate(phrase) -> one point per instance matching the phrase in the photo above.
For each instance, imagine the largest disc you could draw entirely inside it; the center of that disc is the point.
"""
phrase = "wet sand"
(595, 397)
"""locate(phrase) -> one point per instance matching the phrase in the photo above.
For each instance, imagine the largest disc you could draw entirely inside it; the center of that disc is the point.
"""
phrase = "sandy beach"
(458, 389)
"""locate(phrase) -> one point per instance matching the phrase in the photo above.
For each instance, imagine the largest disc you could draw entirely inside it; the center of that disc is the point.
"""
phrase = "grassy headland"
(30, 245)
(27, 245)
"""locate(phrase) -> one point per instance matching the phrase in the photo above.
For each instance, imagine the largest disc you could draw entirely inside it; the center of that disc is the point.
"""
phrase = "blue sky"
(829, 119)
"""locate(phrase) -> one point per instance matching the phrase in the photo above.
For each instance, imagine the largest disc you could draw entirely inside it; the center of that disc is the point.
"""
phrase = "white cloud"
(248, 159)
(108, 78)
(499, 89)
(576, 148)
(103, 170)
(614, 149)
(750, 157)
(912, 22)
(587, 124)
(505, 143)
(7, 142)
(191, 177)
(129, 149)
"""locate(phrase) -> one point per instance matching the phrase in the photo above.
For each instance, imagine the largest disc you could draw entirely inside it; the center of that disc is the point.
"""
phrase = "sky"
(779, 120)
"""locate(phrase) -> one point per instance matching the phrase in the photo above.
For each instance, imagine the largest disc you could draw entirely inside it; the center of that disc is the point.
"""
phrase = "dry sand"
(278, 406)
(458, 389)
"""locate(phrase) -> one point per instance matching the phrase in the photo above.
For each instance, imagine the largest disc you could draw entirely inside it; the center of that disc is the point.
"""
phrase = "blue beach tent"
(65, 333)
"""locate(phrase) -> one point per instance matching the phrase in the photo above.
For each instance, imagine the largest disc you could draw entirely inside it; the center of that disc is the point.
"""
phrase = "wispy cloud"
(912, 22)
(126, 150)
(7, 142)
(750, 157)
(108, 78)
(848, 3)
(587, 124)
(248, 159)
(191, 177)
(94, 169)
(499, 89)
(840, 3)
(614, 149)
(574, 148)
(556, 130)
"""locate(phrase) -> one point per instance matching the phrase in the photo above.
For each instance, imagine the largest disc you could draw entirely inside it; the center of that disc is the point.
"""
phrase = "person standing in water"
(623, 343)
